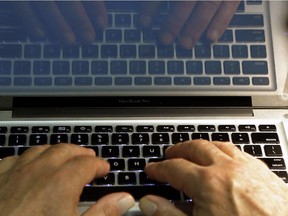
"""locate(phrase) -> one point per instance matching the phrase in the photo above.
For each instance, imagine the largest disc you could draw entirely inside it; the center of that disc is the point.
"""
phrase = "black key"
(61, 129)
(5, 67)
(254, 150)
(40, 129)
(160, 138)
(120, 138)
(113, 35)
(3, 129)
(156, 67)
(140, 138)
(258, 51)
(150, 35)
(146, 51)
(127, 178)
(51, 51)
(145, 180)
(283, 175)
(186, 128)
(213, 67)
(10, 51)
(194, 67)
(94, 148)
(222, 137)
(155, 160)
(132, 35)
(124, 128)
(151, 151)
(12, 34)
(255, 67)
(118, 67)
(183, 53)
(109, 179)
(116, 164)
(80, 139)
(110, 151)
(137, 67)
(123, 20)
(175, 67)
(231, 67)
(95, 193)
(179, 137)
(82, 129)
(72, 51)
(136, 164)
(128, 51)
(267, 127)
(221, 51)
(206, 128)
(32, 51)
(41, 67)
(58, 138)
(90, 51)
(38, 139)
(165, 51)
(247, 20)
(2, 140)
(165, 128)
(273, 150)
(130, 151)
(145, 128)
(239, 51)
(17, 140)
(61, 67)
(240, 138)
(265, 138)
(274, 163)
(204, 136)
(19, 130)
(247, 128)
(22, 68)
(80, 67)
(6, 152)
(100, 139)
(106, 129)
(21, 150)
(99, 67)
(227, 128)
(203, 51)
(109, 51)
(227, 36)
(250, 35)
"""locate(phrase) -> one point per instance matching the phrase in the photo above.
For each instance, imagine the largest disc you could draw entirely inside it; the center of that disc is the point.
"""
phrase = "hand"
(49, 180)
(190, 19)
(66, 21)
(220, 179)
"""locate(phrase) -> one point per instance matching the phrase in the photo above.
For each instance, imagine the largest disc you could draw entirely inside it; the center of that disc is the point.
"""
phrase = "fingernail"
(125, 203)
(148, 207)
(166, 38)
(186, 42)
(213, 35)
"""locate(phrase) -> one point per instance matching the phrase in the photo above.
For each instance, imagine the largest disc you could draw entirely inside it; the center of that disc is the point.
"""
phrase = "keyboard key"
(267, 128)
(221, 51)
(265, 138)
(255, 67)
(5, 67)
(283, 175)
(151, 151)
(227, 128)
(241, 81)
(160, 138)
(63, 81)
(250, 35)
(222, 137)
(143, 81)
(61, 68)
(204, 136)
(32, 51)
(274, 163)
(202, 81)
(202, 51)
(3, 130)
(136, 164)
(72, 51)
(227, 37)
(51, 51)
(90, 51)
(125, 128)
(116, 164)
(10, 51)
(240, 138)
(109, 179)
(165, 51)
(128, 51)
(17, 140)
(247, 128)
(6, 152)
(2, 140)
(113, 35)
(175, 67)
(43, 81)
(146, 51)
(107, 129)
(19, 129)
(80, 67)
(123, 20)
(58, 138)
(22, 68)
(12, 34)
(163, 81)
(110, 151)
(132, 35)
(273, 150)
(145, 128)
(103, 81)
(22, 81)
(258, 51)
(206, 128)
(41, 68)
(100, 139)
(140, 138)
(109, 51)
(120, 138)
(247, 20)
(239, 51)
(194, 67)
(231, 67)
(80, 139)
(145, 180)
(127, 178)
(261, 81)
(118, 67)
(130, 151)
(221, 81)
(179, 137)
(156, 67)
(137, 67)
(254, 150)
(186, 128)
(38, 139)
(183, 53)
(123, 81)
(40, 129)
(99, 67)
(182, 81)
(165, 128)
(61, 129)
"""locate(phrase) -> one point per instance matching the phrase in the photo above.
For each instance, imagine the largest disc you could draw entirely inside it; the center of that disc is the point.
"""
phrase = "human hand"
(66, 21)
(190, 19)
(220, 179)
(49, 180)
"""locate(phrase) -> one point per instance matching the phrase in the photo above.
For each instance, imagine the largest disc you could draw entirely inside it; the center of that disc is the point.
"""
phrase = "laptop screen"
(148, 48)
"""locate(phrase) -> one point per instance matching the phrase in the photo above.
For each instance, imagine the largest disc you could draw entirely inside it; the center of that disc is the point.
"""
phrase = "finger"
(81, 170)
(198, 22)
(222, 19)
(111, 205)
(231, 150)
(49, 12)
(31, 154)
(166, 171)
(201, 152)
(175, 20)
(157, 206)
(97, 13)
(61, 153)
(33, 25)
(147, 12)
(7, 163)
(75, 14)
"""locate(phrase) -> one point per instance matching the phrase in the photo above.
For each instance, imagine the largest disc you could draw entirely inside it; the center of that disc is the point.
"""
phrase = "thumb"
(152, 205)
(114, 204)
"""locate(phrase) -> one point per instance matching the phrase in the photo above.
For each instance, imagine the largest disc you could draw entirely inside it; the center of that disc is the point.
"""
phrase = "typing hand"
(66, 21)
(190, 19)
(220, 179)
(49, 180)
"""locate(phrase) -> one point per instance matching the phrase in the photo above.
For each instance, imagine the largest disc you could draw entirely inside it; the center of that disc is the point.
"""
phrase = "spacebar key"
(166, 191)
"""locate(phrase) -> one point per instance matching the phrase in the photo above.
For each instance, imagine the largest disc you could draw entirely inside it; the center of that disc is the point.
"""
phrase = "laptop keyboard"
(128, 148)
(125, 57)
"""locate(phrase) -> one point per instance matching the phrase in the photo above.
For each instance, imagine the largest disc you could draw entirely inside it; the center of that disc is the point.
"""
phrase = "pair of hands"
(76, 20)
(219, 178)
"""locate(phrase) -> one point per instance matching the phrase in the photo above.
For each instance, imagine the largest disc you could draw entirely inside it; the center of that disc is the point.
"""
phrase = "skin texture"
(49, 180)
(78, 21)
(220, 179)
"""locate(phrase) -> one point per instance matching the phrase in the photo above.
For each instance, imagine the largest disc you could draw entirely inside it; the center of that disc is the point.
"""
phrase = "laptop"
(129, 98)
